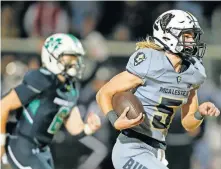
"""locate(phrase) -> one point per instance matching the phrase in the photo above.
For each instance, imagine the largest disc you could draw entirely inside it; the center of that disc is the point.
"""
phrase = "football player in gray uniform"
(166, 70)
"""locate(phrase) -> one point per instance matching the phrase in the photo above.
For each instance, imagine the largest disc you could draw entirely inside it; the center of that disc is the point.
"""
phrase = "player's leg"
(134, 156)
(23, 155)
(45, 158)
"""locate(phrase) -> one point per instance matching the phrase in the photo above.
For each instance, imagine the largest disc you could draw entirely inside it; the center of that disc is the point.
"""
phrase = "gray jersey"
(163, 89)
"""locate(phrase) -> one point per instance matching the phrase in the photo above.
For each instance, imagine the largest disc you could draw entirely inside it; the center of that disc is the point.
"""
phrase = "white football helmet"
(169, 28)
(59, 45)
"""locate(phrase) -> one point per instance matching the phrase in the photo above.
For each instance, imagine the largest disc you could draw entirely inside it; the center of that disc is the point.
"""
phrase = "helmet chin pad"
(72, 72)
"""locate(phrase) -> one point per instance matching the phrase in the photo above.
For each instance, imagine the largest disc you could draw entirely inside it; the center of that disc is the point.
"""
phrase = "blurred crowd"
(130, 20)
(96, 22)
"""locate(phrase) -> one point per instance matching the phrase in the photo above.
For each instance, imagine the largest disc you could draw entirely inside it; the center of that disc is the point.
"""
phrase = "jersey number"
(58, 120)
(165, 112)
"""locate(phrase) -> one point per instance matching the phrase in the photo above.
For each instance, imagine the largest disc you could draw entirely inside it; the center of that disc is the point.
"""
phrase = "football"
(127, 99)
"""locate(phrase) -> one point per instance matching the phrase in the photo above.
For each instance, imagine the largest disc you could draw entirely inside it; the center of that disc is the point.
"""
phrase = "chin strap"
(164, 45)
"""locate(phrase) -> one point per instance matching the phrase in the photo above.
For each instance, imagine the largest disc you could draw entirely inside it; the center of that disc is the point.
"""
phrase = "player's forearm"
(74, 124)
(190, 122)
(3, 125)
(73, 128)
(3, 117)
(10, 102)
(104, 101)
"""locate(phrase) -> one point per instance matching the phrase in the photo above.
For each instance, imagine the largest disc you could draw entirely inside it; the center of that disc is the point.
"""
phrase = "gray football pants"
(137, 155)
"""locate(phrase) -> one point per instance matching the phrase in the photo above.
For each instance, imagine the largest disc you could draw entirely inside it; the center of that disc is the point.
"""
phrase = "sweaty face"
(190, 44)
(188, 39)
(68, 60)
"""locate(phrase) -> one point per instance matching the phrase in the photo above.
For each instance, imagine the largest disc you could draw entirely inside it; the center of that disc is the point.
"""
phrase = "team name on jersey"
(174, 91)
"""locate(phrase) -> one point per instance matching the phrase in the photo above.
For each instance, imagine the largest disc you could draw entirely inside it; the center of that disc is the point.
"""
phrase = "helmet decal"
(52, 44)
(164, 21)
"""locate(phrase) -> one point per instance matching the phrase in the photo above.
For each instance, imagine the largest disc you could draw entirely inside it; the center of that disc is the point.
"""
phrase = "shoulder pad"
(139, 62)
(37, 80)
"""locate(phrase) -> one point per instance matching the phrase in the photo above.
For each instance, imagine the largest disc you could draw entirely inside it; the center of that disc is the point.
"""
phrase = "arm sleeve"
(139, 63)
(33, 84)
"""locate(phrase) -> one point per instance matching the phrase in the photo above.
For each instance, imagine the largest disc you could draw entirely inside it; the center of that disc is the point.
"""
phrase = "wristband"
(87, 130)
(2, 139)
(112, 116)
(198, 116)
(81, 135)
